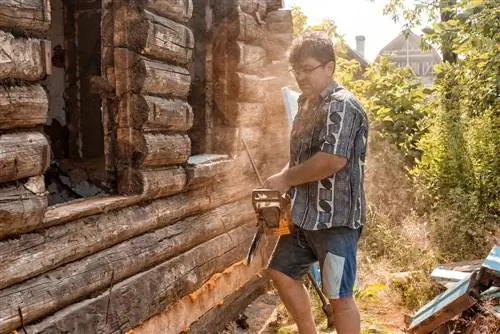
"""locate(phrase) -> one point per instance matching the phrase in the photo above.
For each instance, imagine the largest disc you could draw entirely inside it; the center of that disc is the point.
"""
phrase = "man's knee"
(342, 305)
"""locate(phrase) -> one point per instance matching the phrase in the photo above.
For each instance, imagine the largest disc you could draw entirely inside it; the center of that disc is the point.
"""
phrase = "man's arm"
(319, 166)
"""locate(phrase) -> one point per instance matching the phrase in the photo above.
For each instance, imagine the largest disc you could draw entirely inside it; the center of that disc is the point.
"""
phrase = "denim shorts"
(334, 248)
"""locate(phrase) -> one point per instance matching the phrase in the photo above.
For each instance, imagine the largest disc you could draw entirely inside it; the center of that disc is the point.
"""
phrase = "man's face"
(312, 76)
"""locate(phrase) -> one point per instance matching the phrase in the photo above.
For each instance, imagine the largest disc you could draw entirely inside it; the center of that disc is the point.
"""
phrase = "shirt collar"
(332, 86)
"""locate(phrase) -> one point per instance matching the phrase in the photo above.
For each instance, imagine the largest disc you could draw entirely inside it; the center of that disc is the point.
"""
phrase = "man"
(325, 179)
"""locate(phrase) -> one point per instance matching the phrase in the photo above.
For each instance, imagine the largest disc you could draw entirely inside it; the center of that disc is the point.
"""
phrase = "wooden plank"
(247, 114)
(136, 74)
(219, 316)
(178, 10)
(23, 106)
(179, 316)
(151, 113)
(22, 206)
(279, 21)
(25, 14)
(22, 155)
(152, 184)
(140, 149)
(21, 58)
(153, 36)
(46, 294)
(159, 286)
(62, 244)
(444, 307)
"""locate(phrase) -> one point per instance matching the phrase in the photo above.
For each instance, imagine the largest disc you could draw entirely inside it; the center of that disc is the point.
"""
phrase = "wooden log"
(251, 58)
(250, 88)
(152, 149)
(274, 5)
(22, 106)
(253, 7)
(160, 286)
(277, 45)
(220, 315)
(239, 57)
(178, 10)
(279, 21)
(153, 36)
(25, 14)
(22, 206)
(205, 168)
(136, 74)
(23, 155)
(152, 184)
(247, 114)
(151, 113)
(248, 29)
(46, 294)
(58, 245)
(24, 59)
(179, 316)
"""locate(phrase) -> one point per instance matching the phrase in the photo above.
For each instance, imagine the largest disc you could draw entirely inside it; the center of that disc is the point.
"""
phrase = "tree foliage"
(449, 133)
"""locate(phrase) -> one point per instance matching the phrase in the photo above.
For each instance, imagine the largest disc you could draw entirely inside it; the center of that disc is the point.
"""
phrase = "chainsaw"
(272, 211)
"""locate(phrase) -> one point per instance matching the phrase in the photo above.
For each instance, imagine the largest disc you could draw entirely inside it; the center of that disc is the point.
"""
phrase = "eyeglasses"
(307, 71)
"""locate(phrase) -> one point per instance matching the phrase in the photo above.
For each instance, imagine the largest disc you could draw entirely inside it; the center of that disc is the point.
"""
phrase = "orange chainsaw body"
(273, 211)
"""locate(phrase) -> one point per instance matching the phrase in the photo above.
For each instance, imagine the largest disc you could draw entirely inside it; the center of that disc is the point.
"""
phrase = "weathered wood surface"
(178, 317)
(159, 286)
(22, 106)
(179, 10)
(274, 4)
(220, 315)
(24, 59)
(206, 168)
(240, 87)
(247, 114)
(136, 74)
(22, 206)
(247, 29)
(153, 36)
(152, 149)
(23, 155)
(253, 7)
(153, 184)
(58, 245)
(239, 57)
(84, 207)
(251, 58)
(48, 293)
(279, 21)
(277, 45)
(250, 88)
(25, 14)
(151, 113)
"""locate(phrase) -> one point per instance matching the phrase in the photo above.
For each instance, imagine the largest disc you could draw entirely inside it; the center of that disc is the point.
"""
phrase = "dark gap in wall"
(74, 125)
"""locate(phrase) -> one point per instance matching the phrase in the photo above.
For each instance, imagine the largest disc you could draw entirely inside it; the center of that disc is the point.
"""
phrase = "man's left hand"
(277, 182)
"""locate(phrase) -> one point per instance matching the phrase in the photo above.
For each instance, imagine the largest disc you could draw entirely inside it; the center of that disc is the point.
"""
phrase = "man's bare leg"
(294, 295)
(346, 315)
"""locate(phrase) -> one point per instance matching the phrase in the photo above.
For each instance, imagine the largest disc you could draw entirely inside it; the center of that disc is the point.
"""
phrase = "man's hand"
(278, 182)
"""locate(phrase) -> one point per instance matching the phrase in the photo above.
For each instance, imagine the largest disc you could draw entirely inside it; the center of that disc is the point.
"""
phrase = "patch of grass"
(416, 291)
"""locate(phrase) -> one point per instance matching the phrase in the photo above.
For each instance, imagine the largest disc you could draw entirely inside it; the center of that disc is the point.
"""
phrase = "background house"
(405, 51)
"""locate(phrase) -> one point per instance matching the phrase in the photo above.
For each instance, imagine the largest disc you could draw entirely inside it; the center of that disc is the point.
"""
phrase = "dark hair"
(315, 44)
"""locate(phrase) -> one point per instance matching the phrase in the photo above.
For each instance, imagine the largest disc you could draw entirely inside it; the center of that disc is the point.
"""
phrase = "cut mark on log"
(22, 319)
(109, 295)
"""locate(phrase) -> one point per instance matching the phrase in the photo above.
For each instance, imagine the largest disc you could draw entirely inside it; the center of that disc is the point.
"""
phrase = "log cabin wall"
(166, 255)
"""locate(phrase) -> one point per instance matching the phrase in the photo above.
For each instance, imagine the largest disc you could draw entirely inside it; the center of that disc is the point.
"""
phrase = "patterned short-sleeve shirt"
(337, 125)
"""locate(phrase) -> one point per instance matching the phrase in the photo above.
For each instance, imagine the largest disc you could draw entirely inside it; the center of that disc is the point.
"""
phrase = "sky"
(354, 17)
